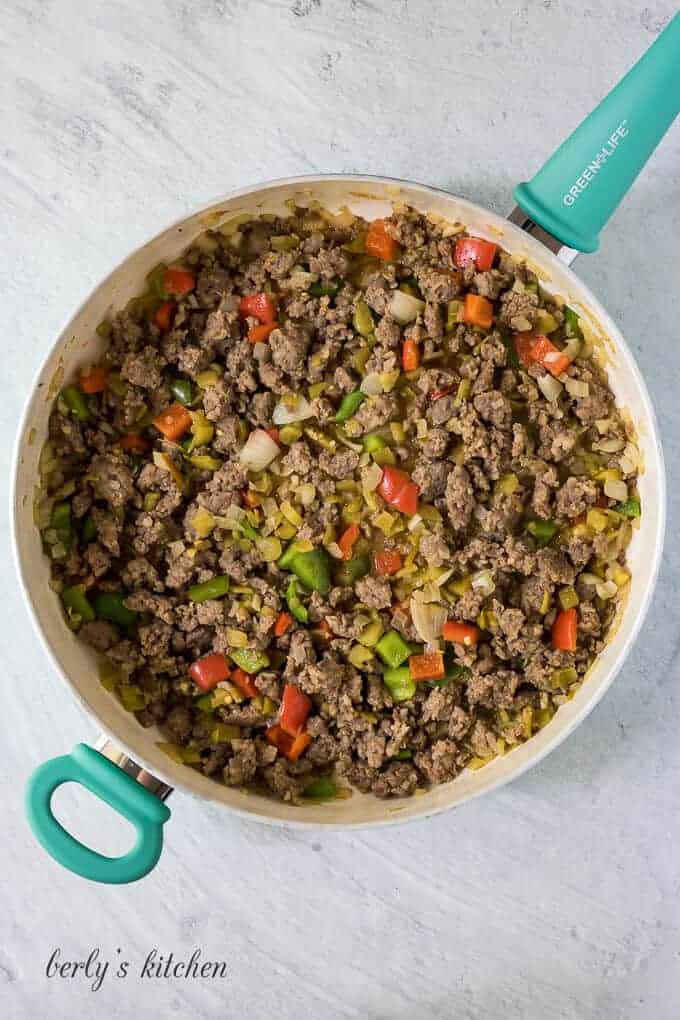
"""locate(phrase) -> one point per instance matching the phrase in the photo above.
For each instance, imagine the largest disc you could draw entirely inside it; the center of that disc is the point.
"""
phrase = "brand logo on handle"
(590, 172)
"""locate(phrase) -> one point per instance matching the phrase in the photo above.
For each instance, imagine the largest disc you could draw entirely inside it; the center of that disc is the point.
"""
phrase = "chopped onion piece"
(616, 490)
(606, 589)
(609, 446)
(428, 620)
(259, 451)
(405, 308)
(371, 477)
(372, 385)
(483, 582)
(415, 521)
(576, 388)
(572, 348)
(335, 551)
(291, 409)
(589, 578)
(550, 387)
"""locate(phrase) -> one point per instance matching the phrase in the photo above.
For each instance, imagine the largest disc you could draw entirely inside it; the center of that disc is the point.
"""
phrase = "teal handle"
(578, 189)
(92, 770)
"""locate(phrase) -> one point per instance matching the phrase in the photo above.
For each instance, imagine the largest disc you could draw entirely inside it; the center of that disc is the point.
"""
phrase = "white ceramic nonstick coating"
(79, 344)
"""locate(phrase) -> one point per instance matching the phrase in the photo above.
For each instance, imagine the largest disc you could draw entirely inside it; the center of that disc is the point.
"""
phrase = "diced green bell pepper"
(392, 649)
(404, 755)
(349, 405)
(285, 560)
(400, 683)
(630, 508)
(215, 588)
(322, 788)
(183, 390)
(349, 572)
(248, 530)
(61, 516)
(454, 673)
(313, 569)
(249, 659)
(320, 289)
(373, 442)
(296, 607)
(88, 532)
(542, 531)
(572, 326)
(76, 403)
(108, 605)
(76, 602)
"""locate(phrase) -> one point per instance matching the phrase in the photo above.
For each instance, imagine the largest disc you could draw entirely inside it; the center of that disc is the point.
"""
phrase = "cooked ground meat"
(260, 601)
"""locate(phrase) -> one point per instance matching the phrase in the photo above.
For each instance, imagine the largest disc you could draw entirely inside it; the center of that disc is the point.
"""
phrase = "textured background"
(555, 897)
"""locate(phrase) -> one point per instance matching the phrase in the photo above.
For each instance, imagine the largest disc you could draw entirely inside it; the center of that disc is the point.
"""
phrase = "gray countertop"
(553, 897)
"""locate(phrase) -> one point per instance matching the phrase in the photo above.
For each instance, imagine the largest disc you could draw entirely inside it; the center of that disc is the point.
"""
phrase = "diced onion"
(603, 425)
(405, 308)
(616, 490)
(306, 493)
(550, 387)
(589, 578)
(606, 589)
(259, 451)
(483, 582)
(576, 388)
(609, 446)
(300, 280)
(572, 348)
(414, 522)
(371, 477)
(291, 409)
(371, 385)
(428, 620)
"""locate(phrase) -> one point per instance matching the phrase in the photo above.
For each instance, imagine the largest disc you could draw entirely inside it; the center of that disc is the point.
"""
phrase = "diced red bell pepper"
(438, 394)
(476, 250)
(564, 630)
(379, 243)
(244, 682)
(388, 562)
(429, 666)
(164, 315)
(273, 434)
(478, 311)
(410, 356)
(258, 334)
(173, 422)
(178, 281)
(461, 633)
(325, 628)
(545, 353)
(347, 540)
(283, 623)
(209, 671)
(259, 306)
(132, 442)
(290, 747)
(251, 498)
(295, 708)
(397, 489)
(94, 380)
(524, 345)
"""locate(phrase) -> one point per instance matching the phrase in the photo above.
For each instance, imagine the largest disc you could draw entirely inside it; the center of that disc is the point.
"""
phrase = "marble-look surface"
(553, 898)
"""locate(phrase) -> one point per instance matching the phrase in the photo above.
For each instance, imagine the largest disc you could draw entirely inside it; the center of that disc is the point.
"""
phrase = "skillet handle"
(578, 189)
(115, 787)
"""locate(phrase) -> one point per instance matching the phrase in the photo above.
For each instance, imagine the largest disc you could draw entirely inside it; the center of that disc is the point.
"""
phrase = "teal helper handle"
(99, 775)
(578, 189)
